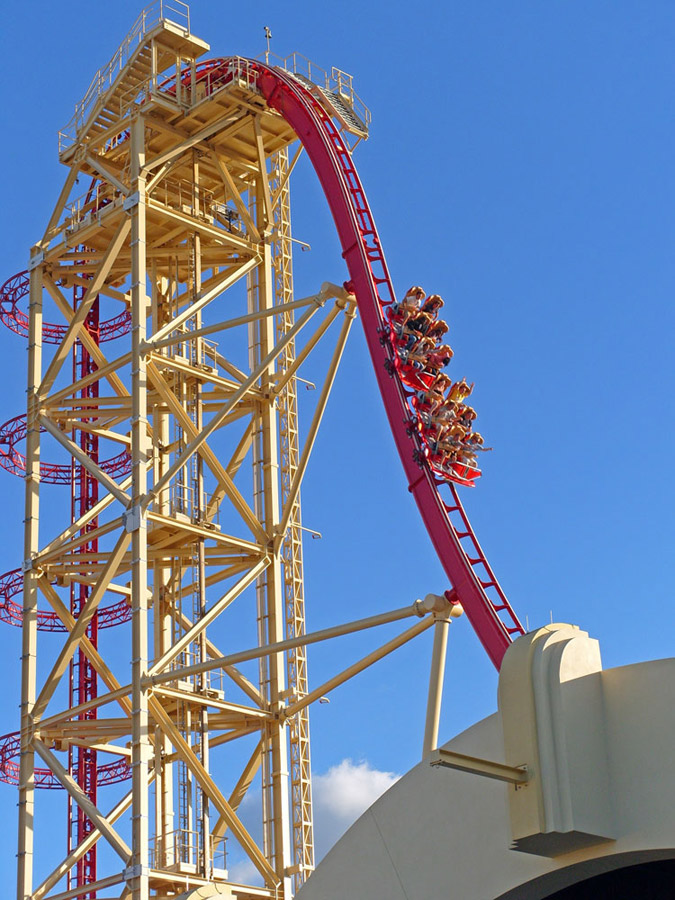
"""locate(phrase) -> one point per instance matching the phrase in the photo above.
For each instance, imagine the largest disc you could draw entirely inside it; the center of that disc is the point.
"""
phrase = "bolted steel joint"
(440, 605)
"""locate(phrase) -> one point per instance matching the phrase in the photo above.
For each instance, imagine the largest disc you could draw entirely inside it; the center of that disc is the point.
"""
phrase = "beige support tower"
(182, 224)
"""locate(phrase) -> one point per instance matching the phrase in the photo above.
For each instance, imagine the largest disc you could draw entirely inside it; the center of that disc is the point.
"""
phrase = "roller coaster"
(188, 197)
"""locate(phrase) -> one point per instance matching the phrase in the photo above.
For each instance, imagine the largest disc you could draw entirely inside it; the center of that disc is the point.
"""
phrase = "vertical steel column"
(137, 524)
(162, 585)
(30, 589)
(255, 356)
(436, 675)
(270, 586)
(204, 862)
(291, 548)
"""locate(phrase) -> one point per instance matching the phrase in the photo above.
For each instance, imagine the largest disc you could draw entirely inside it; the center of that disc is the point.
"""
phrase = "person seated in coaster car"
(466, 416)
(468, 458)
(439, 358)
(475, 440)
(415, 296)
(472, 444)
(412, 377)
(413, 344)
(418, 324)
(400, 311)
(418, 355)
(412, 367)
(432, 435)
(431, 399)
(427, 314)
(437, 330)
(421, 404)
(449, 446)
(455, 435)
(432, 304)
(460, 390)
(447, 413)
(446, 457)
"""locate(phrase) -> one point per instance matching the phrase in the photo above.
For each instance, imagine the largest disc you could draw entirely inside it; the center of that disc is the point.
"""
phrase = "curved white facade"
(441, 834)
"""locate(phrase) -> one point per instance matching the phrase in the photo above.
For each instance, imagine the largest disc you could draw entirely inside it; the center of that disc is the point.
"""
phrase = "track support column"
(30, 589)
(270, 585)
(137, 524)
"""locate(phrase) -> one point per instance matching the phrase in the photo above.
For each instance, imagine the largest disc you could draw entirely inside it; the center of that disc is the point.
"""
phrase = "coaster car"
(458, 472)
(412, 376)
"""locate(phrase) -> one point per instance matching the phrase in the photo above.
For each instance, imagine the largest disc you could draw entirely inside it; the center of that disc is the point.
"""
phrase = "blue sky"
(520, 164)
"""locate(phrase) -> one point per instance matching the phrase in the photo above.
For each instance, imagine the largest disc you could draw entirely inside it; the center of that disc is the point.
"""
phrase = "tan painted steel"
(186, 225)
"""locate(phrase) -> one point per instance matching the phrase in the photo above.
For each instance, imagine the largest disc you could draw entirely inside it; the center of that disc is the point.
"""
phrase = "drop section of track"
(474, 583)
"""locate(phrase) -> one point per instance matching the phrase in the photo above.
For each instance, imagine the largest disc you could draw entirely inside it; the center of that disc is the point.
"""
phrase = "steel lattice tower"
(189, 199)
(186, 462)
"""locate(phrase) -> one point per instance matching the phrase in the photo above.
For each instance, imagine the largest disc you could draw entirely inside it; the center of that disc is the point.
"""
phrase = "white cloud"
(244, 872)
(341, 796)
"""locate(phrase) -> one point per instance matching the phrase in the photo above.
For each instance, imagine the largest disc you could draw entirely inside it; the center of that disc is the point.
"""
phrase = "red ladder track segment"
(458, 550)
(469, 572)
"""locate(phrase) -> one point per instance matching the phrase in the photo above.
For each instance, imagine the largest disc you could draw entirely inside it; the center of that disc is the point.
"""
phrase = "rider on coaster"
(447, 412)
(439, 358)
(466, 416)
(432, 304)
(400, 312)
(431, 399)
(427, 314)
(438, 330)
(460, 390)
(472, 444)
(418, 355)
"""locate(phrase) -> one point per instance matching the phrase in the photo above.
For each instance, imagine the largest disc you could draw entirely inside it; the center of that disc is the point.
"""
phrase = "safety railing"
(184, 196)
(337, 82)
(236, 71)
(183, 847)
(173, 11)
(213, 680)
(88, 208)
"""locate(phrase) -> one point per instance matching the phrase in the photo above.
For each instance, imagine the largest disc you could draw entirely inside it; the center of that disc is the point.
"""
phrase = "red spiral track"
(10, 748)
(17, 288)
(11, 584)
(14, 462)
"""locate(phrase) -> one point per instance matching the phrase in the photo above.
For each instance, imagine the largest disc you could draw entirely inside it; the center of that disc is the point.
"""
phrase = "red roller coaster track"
(474, 583)
(17, 288)
(11, 584)
(14, 431)
(10, 748)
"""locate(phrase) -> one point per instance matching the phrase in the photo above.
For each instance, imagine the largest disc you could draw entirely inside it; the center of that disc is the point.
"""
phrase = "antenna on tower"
(268, 38)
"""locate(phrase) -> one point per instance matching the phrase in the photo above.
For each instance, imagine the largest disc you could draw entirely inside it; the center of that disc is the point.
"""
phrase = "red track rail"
(474, 583)
(10, 748)
(463, 560)
(11, 584)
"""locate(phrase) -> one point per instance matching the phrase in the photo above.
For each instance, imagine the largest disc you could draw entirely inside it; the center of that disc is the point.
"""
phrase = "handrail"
(149, 18)
(337, 81)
